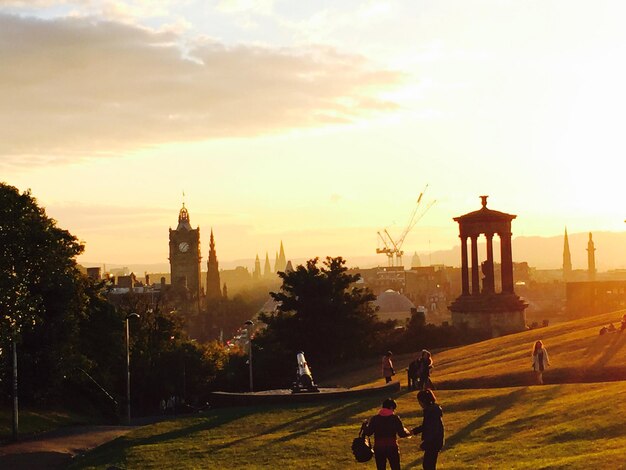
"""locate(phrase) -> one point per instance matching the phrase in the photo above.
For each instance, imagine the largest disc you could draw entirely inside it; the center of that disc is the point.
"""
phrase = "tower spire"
(267, 270)
(281, 262)
(567, 259)
(213, 290)
(256, 274)
(591, 259)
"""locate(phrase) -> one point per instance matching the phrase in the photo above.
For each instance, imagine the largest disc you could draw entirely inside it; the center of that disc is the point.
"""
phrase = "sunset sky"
(313, 122)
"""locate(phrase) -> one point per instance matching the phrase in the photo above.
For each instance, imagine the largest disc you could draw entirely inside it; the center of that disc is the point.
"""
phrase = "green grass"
(36, 421)
(557, 426)
(577, 354)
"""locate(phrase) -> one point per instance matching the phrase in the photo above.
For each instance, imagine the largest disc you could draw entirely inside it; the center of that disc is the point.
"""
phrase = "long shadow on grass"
(115, 451)
(615, 344)
(339, 416)
(503, 403)
(221, 417)
(274, 429)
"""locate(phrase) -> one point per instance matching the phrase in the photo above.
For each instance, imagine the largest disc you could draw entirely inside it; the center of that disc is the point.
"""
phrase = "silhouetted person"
(386, 426)
(431, 429)
(412, 373)
(612, 328)
(387, 366)
(540, 361)
(424, 368)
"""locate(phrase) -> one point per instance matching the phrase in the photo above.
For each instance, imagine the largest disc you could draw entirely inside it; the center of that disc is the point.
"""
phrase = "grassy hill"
(556, 426)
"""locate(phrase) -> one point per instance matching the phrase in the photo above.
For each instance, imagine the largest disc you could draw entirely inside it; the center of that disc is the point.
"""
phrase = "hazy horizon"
(525, 249)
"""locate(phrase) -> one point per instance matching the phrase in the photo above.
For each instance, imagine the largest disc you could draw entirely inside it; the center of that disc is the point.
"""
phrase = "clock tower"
(185, 254)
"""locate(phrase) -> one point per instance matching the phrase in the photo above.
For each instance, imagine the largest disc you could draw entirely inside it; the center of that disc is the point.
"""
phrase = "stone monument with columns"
(482, 307)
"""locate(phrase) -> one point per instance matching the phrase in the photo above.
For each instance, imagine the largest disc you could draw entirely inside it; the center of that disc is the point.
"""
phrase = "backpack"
(361, 447)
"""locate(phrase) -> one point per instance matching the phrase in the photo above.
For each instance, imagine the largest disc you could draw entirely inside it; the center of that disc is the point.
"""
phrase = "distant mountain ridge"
(547, 252)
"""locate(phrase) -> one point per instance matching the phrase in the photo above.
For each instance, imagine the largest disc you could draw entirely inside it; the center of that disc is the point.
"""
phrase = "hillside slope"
(577, 354)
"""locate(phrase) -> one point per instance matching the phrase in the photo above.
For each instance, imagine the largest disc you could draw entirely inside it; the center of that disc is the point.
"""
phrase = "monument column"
(507, 263)
(475, 274)
(464, 267)
(490, 286)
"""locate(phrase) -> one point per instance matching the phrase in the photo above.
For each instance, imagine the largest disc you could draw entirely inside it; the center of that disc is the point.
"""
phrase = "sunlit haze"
(314, 123)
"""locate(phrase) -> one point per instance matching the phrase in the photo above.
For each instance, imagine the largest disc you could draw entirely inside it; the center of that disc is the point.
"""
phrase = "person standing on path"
(431, 429)
(540, 361)
(388, 370)
(386, 426)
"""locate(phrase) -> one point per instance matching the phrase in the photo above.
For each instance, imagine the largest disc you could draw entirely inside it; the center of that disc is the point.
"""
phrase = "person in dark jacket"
(424, 367)
(385, 427)
(412, 373)
(431, 429)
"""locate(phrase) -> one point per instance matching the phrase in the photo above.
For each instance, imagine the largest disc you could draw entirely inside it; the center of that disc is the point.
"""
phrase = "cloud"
(76, 87)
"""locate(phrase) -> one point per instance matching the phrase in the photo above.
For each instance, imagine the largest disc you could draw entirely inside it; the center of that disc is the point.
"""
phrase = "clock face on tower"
(183, 247)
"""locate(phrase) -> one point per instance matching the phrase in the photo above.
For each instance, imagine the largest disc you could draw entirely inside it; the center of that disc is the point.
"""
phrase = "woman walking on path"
(388, 370)
(425, 365)
(385, 427)
(431, 429)
(540, 361)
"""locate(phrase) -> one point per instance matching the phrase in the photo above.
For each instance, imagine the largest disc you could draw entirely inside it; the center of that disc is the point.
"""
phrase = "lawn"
(493, 418)
(567, 426)
(36, 421)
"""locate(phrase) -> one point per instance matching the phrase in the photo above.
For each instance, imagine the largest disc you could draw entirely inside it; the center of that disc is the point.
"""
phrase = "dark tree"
(41, 293)
(323, 313)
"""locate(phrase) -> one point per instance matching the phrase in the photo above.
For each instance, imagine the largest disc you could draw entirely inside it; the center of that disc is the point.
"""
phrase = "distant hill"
(539, 252)
(547, 252)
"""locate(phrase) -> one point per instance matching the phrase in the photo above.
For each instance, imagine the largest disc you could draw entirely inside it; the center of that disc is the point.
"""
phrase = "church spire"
(567, 259)
(267, 271)
(213, 290)
(281, 262)
(591, 259)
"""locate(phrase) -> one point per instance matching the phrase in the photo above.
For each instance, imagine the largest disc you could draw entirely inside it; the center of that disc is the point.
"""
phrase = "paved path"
(55, 450)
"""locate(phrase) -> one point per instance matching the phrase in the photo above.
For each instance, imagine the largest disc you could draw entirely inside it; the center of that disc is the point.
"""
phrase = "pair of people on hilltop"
(386, 427)
(418, 372)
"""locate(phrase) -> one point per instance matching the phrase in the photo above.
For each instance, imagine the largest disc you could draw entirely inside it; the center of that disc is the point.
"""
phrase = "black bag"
(361, 447)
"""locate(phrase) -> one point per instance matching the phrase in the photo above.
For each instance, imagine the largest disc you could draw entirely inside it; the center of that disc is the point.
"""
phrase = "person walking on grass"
(425, 365)
(540, 361)
(388, 370)
(386, 427)
(432, 430)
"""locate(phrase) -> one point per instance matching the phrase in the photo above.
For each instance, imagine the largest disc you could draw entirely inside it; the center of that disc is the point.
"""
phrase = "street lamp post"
(249, 325)
(15, 406)
(130, 315)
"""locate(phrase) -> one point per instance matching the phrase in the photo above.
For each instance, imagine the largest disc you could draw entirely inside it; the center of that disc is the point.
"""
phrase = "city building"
(184, 255)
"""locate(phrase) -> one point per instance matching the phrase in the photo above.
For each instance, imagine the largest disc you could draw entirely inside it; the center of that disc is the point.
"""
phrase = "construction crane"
(393, 248)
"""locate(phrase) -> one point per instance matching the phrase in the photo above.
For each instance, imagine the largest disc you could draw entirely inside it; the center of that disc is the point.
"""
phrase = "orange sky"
(315, 124)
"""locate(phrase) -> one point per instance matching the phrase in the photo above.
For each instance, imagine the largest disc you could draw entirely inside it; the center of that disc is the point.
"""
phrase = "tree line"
(71, 340)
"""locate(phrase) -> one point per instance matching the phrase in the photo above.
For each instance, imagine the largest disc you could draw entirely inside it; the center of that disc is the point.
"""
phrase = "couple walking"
(418, 373)
(386, 427)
